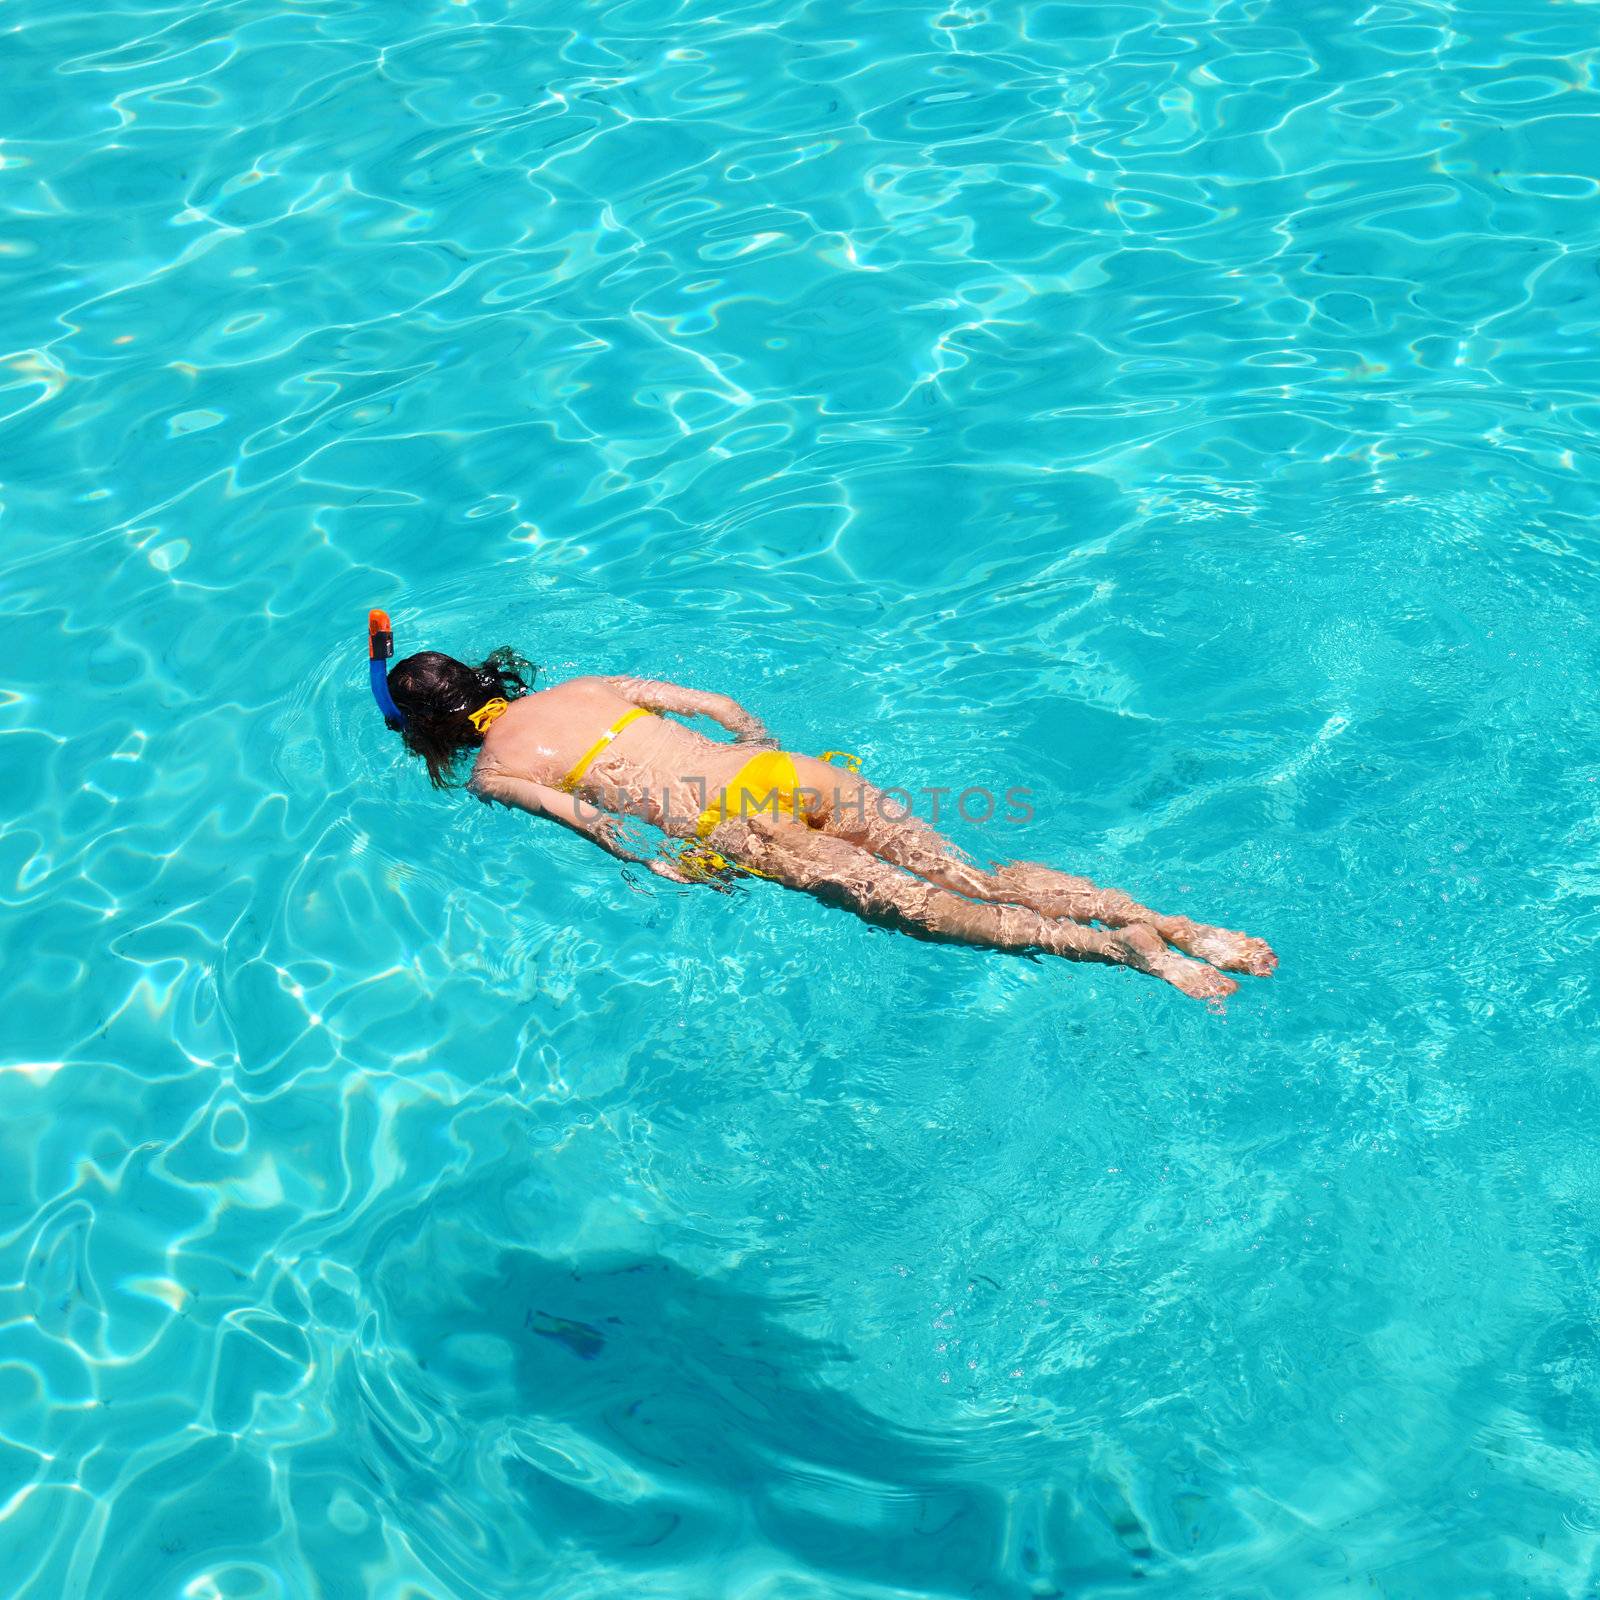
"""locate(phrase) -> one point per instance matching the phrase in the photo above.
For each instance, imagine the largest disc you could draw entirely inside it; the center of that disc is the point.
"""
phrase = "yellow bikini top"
(575, 777)
(488, 713)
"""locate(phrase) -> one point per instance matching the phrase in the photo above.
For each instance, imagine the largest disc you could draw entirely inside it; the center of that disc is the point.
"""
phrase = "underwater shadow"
(640, 1417)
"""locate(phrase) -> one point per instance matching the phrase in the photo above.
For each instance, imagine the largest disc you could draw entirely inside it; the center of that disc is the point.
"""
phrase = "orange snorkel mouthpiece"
(380, 646)
(380, 636)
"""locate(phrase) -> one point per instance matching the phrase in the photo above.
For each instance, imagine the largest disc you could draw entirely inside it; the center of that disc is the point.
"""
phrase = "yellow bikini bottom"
(766, 783)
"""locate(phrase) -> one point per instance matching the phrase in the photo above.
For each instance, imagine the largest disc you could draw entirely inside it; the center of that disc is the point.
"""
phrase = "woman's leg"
(868, 818)
(840, 873)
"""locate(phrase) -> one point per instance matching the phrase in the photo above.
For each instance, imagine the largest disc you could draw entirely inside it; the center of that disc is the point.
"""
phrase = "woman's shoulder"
(551, 715)
(584, 684)
(588, 690)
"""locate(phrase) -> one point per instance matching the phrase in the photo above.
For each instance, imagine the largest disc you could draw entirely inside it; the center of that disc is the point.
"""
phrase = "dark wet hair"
(438, 695)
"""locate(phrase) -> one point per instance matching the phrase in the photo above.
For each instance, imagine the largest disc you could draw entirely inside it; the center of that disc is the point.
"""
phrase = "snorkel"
(380, 646)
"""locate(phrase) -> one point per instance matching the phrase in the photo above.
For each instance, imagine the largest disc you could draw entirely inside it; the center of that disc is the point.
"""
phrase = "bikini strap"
(581, 766)
(488, 714)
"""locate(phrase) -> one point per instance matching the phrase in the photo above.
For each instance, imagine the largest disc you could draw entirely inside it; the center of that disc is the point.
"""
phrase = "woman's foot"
(1148, 952)
(1229, 951)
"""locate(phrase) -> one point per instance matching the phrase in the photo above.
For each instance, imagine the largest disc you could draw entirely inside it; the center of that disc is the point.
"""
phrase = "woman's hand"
(663, 868)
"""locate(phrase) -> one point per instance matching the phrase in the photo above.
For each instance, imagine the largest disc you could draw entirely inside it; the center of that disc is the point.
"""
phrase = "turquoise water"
(1188, 409)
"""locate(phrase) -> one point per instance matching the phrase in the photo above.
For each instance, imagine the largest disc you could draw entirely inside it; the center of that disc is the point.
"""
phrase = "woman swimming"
(591, 750)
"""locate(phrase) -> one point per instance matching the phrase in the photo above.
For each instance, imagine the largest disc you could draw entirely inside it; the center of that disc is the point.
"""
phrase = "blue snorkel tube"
(380, 646)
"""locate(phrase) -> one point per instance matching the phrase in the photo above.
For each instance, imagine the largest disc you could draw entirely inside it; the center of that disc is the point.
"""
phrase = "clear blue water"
(1190, 408)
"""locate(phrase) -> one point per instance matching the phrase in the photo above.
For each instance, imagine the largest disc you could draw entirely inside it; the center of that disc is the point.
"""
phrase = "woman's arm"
(655, 695)
(540, 800)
